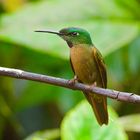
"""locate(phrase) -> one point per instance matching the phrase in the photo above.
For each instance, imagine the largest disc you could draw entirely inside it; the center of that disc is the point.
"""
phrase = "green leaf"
(131, 122)
(107, 35)
(44, 135)
(80, 124)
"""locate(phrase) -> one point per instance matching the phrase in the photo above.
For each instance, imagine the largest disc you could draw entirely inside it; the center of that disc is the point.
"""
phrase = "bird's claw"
(73, 80)
(92, 86)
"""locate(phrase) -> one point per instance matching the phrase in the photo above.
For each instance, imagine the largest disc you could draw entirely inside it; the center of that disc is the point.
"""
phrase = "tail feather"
(99, 106)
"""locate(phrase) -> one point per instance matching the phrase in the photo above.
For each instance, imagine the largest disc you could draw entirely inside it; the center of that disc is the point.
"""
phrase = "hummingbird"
(88, 66)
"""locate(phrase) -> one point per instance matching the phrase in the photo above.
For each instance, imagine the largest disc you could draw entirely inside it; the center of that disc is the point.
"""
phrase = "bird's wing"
(99, 102)
(101, 66)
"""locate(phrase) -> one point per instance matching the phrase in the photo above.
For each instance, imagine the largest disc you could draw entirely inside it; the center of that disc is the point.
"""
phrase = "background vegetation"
(31, 110)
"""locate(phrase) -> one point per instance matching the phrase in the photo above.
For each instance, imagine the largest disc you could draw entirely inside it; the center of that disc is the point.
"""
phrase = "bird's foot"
(93, 85)
(73, 80)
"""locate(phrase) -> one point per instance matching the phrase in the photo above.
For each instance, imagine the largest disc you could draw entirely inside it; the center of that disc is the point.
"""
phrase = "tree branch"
(117, 95)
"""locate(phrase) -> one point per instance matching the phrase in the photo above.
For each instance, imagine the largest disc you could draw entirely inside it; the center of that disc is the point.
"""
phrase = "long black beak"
(52, 32)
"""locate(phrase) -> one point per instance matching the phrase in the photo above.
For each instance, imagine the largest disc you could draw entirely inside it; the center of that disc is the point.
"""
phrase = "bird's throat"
(70, 44)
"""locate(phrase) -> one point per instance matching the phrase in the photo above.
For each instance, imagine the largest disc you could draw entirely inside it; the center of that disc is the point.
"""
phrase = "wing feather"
(101, 66)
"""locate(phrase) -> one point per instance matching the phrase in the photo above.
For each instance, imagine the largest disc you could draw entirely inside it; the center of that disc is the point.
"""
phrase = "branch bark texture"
(117, 95)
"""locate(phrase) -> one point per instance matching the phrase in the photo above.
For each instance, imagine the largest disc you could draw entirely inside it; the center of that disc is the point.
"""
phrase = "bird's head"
(73, 35)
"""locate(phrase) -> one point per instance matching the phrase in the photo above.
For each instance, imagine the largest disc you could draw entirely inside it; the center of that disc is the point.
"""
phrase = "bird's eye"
(74, 34)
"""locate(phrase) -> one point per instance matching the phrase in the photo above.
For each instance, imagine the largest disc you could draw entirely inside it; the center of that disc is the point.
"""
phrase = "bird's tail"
(99, 106)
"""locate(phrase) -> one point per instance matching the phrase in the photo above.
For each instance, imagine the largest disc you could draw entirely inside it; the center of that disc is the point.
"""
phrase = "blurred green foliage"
(27, 107)
(77, 125)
